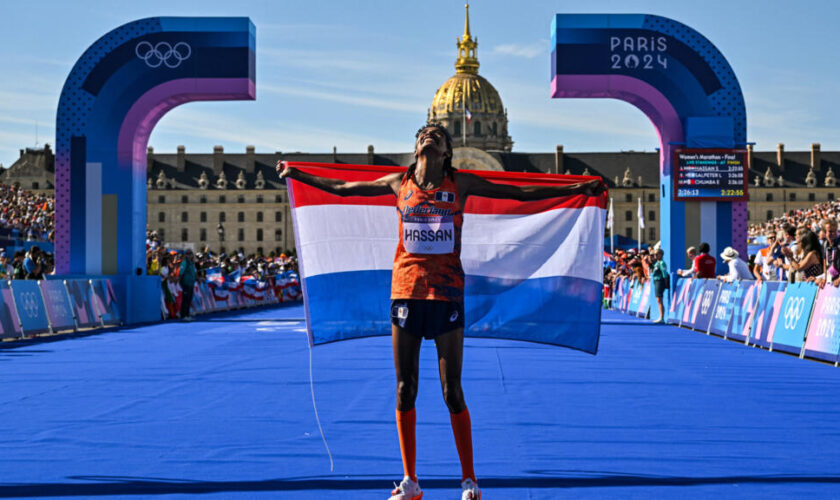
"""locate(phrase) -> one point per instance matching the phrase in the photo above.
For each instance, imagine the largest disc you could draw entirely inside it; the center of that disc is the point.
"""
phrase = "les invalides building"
(234, 200)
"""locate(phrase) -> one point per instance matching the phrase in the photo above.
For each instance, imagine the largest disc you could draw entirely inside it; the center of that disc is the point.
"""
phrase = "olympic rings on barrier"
(793, 311)
(163, 53)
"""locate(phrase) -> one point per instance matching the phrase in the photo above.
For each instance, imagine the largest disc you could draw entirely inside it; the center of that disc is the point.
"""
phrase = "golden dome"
(468, 92)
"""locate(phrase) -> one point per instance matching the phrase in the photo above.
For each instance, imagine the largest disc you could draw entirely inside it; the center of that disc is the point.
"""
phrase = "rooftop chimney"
(150, 158)
(370, 154)
(780, 156)
(335, 154)
(181, 159)
(816, 157)
(749, 156)
(218, 159)
(250, 160)
(558, 159)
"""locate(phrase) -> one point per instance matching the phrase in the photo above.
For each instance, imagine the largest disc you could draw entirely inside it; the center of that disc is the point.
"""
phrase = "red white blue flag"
(534, 269)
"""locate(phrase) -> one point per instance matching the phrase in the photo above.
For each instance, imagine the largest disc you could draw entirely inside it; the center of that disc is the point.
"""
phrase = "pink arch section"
(647, 98)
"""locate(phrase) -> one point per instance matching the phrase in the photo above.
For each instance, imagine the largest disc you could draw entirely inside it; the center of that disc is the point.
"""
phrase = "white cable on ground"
(314, 407)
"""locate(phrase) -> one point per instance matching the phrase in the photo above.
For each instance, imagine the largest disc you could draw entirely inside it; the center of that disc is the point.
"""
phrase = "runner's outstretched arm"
(473, 185)
(389, 184)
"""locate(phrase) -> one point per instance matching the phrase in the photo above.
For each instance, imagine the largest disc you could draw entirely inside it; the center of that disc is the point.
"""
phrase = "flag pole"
(639, 227)
(464, 118)
(612, 239)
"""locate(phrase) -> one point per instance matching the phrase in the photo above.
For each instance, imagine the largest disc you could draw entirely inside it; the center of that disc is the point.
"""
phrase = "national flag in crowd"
(532, 268)
(215, 276)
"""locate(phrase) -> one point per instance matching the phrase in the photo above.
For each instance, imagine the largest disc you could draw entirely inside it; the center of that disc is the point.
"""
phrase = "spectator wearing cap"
(704, 264)
(738, 269)
(691, 252)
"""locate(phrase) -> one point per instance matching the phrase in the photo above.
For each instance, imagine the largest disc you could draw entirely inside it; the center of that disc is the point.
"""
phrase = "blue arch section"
(115, 94)
(683, 83)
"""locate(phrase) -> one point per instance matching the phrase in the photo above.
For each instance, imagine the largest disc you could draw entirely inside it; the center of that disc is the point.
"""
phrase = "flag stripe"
(501, 246)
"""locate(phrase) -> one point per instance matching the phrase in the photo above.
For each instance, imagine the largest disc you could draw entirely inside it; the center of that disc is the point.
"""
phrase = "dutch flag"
(533, 270)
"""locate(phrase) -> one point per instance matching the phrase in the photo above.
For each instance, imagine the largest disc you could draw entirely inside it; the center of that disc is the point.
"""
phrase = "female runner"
(427, 286)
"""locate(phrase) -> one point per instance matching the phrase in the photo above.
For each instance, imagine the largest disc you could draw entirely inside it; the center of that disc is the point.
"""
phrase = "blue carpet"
(222, 407)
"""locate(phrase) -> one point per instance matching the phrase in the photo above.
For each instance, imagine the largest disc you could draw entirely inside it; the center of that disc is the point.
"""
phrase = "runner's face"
(431, 137)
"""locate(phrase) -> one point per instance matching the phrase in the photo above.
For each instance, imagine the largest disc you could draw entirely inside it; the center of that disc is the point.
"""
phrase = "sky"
(348, 74)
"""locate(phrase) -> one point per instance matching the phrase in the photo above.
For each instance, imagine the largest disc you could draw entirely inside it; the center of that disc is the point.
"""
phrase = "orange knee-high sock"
(462, 428)
(406, 424)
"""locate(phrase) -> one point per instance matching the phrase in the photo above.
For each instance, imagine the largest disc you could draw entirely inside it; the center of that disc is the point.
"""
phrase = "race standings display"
(710, 175)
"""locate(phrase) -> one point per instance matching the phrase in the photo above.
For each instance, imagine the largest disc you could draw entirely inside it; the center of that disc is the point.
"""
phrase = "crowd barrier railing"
(797, 318)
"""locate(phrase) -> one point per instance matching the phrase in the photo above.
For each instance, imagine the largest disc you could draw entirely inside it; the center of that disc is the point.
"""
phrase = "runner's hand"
(283, 170)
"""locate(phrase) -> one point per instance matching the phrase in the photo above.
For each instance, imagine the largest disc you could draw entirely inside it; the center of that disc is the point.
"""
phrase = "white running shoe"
(406, 490)
(469, 490)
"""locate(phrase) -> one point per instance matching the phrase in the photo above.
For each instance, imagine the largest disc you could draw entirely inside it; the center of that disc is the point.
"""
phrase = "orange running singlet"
(427, 265)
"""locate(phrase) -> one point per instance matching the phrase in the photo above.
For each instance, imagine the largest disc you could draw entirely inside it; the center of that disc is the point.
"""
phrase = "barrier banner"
(79, 291)
(30, 306)
(59, 311)
(616, 292)
(644, 301)
(678, 298)
(105, 302)
(792, 324)
(197, 306)
(743, 309)
(635, 299)
(767, 311)
(722, 314)
(823, 340)
(9, 318)
(692, 296)
(703, 305)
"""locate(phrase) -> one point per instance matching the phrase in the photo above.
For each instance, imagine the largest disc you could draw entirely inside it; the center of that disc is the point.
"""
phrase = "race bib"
(428, 235)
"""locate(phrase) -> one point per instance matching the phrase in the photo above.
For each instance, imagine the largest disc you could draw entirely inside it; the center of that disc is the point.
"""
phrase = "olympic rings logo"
(793, 311)
(163, 53)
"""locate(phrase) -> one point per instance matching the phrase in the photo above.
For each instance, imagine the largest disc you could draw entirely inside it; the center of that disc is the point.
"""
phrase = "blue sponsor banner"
(59, 311)
(104, 302)
(678, 298)
(635, 298)
(703, 306)
(724, 304)
(695, 289)
(9, 319)
(743, 309)
(792, 320)
(823, 340)
(644, 303)
(767, 310)
(79, 292)
(30, 306)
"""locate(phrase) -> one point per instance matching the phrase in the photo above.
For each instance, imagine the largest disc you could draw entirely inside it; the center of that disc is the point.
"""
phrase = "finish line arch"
(684, 85)
(112, 99)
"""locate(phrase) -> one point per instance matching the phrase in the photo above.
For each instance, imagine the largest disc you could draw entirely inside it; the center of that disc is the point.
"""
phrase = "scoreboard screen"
(710, 175)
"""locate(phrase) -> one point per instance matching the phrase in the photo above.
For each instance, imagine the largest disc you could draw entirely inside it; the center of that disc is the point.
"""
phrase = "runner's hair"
(448, 169)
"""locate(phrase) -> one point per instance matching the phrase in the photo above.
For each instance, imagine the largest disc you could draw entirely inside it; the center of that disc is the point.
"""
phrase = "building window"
(494, 130)
(812, 197)
(185, 217)
(240, 234)
(34, 185)
(457, 131)
(477, 129)
(259, 199)
(628, 215)
(278, 216)
(185, 199)
(652, 234)
(221, 217)
(652, 215)
(222, 199)
(203, 199)
(185, 235)
(769, 214)
(792, 196)
(278, 235)
(651, 198)
(162, 234)
(769, 196)
(240, 198)
(259, 216)
(203, 216)
(259, 234)
(628, 197)
(161, 199)
(830, 196)
(202, 234)
(749, 216)
(260, 251)
(162, 217)
(278, 198)
(628, 232)
(240, 217)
